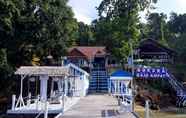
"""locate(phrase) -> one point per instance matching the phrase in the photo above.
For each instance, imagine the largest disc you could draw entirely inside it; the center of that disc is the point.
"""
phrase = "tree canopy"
(118, 25)
(30, 27)
(32, 30)
(85, 36)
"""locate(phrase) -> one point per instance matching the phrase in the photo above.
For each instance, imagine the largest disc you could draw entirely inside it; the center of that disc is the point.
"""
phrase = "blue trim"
(121, 73)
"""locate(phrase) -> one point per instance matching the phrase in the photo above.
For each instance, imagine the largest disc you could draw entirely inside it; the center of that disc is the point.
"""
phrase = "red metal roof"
(90, 52)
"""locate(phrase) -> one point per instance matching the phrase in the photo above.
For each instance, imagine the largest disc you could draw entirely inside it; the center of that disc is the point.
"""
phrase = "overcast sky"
(85, 10)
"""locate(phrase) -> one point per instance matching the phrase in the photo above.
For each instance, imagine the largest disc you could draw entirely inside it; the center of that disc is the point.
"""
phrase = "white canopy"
(42, 70)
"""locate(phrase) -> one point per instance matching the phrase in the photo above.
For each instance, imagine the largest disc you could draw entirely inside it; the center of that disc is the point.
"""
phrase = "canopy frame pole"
(20, 101)
(66, 86)
(52, 88)
(43, 87)
(115, 86)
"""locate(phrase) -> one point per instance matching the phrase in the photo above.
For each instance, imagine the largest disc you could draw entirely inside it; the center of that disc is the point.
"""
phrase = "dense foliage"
(170, 32)
(32, 29)
(38, 28)
(84, 35)
(177, 32)
(118, 25)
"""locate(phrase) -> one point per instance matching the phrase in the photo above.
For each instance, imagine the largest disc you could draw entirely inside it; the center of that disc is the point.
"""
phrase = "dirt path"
(96, 106)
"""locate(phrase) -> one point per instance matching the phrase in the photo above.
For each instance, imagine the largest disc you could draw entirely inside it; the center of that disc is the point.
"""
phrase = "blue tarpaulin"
(121, 73)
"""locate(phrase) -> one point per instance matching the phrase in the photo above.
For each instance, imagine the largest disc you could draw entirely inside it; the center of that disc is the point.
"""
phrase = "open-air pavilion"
(119, 86)
(72, 84)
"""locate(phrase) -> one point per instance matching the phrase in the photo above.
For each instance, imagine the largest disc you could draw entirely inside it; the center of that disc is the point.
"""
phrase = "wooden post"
(147, 111)
(13, 102)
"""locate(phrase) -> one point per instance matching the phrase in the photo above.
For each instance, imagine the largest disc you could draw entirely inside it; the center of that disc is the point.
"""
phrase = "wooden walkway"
(96, 106)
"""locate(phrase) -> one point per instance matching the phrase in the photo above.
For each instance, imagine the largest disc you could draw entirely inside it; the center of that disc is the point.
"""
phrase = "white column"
(110, 87)
(115, 86)
(147, 111)
(13, 102)
(59, 84)
(43, 87)
(82, 79)
(118, 86)
(52, 88)
(62, 84)
(66, 86)
(29, 99)
(121, 89)
(84, 85)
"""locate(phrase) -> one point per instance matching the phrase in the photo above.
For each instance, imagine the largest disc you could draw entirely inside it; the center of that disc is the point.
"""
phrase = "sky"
(85, 10)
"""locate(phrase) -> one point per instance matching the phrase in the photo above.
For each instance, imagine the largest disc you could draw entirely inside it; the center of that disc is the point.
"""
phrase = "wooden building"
(152, 51)
(96, 61)
(91, 57)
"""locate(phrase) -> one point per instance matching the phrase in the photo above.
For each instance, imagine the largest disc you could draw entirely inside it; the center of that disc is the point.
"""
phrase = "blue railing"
(179, 89)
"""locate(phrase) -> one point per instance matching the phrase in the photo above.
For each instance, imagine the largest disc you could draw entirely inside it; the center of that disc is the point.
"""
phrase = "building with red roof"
(90, 56)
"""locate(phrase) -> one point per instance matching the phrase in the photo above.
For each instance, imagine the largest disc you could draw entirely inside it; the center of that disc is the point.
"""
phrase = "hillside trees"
(177, 27)
(157, 27)
(30, 27)
(85, 36)
(171, 32)
(119, 24)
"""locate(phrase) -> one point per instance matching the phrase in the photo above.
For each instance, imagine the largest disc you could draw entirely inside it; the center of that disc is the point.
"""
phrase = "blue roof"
(121, 73)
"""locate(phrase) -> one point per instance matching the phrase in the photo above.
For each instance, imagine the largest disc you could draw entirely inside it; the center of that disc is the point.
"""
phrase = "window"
(81, 61)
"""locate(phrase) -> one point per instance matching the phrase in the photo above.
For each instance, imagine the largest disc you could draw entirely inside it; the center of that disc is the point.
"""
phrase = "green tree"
(30, 27)
(119, 22)
(85, 35)
(157, 27)
(177, 23)
(177, 39)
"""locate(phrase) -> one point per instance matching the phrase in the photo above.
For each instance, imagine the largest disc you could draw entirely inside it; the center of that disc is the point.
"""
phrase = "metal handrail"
(175, 83)
(45, 111)
(39, 114)
(179, 88)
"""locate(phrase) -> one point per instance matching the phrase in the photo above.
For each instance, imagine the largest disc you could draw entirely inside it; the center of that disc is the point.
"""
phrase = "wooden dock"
(96, 106)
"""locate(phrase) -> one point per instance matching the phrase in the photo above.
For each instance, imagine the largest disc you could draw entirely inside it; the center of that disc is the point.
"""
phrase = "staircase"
(99, 80)
(179, 89)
